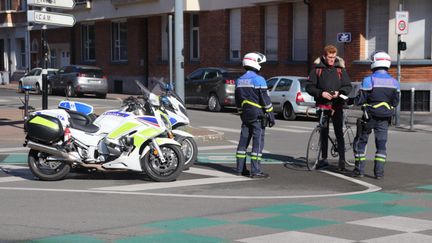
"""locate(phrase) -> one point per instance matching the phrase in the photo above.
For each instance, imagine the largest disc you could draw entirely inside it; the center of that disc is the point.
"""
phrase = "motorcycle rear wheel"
(190, 150)
(164, 171)
(46, 170)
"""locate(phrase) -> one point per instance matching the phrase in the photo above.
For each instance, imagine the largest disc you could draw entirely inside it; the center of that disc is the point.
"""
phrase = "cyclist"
(255, 108)
(378, 95)
(327, 81)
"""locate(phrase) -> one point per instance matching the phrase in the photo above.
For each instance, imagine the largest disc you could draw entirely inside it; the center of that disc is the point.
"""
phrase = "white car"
(34, 79)
(289, 97)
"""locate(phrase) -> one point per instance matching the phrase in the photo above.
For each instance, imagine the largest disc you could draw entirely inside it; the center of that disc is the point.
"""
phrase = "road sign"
(344, 37)
(49, 18)
(63, 4)
(402, 22)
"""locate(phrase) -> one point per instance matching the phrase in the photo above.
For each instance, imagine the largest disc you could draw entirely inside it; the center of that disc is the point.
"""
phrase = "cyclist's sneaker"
(379, 177)
(322, 164)
(356, 173)
(244, 173)
(260, 175)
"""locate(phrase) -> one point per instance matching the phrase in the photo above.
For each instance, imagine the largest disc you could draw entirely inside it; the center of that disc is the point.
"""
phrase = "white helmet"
(253, 60)
(380, 59)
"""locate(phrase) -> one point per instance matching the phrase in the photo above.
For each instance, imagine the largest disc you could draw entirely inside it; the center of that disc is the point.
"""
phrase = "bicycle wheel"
(313, 149)
(349, 144)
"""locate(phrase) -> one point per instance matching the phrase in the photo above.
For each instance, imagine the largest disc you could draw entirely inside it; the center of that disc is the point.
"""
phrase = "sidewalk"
(11, 123)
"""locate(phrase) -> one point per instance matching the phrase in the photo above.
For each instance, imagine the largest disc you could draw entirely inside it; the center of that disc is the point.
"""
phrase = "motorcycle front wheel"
(46, 170)
(163, 171)
(190, 150)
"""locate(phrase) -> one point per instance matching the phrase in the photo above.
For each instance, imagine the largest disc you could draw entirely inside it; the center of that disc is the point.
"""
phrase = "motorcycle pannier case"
(44, 129)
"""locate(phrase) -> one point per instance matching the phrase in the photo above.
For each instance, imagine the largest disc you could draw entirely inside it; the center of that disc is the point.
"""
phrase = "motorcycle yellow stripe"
(44, 122)
(122, 129)
(142, 136)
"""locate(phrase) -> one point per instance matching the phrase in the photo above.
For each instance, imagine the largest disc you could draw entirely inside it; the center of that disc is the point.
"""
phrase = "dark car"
(76, 80)
(211, 86)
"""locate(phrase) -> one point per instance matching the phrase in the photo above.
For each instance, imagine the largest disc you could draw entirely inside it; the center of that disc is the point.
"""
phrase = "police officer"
(379, 94)
(255, 110)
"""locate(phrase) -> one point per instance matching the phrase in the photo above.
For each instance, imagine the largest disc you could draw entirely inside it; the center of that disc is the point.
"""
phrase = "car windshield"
(51, 72)
(96, 72)
(232, 75)
(271, 83)
(303, 83)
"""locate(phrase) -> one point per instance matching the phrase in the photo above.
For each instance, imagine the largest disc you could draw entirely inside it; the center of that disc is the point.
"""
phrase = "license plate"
(94, 81)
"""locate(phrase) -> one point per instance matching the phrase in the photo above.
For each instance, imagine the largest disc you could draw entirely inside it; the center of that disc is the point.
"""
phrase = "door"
(209, 84)
(280, 92)
(64, 58)
(191, 86)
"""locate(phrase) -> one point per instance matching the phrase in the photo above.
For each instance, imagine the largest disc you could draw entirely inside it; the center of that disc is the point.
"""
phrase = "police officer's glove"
(271, 119)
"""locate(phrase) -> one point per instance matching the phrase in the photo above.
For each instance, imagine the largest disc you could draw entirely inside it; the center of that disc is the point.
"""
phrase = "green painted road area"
(13, 158)
(376, 217)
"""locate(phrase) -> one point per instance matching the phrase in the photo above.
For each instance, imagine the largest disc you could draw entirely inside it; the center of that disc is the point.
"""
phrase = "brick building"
(129, 38)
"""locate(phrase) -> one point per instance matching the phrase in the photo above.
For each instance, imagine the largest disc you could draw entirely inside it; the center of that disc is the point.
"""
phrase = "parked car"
(76, 80)
(289, 97)
(212, 86)
(34, 79)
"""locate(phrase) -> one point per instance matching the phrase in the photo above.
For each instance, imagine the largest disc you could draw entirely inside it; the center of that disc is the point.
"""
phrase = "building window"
(21, 47)
(235, 34)
(88, 42)
(164, 37)
(421, 100)
(300, 32)
(53, 58)
(7, 4)
(119, 41)
(419, 34)
(194, 37)
(378, 26)
(271, 33)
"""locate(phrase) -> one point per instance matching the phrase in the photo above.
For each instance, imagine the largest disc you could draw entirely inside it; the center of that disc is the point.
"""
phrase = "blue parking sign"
(344, 37)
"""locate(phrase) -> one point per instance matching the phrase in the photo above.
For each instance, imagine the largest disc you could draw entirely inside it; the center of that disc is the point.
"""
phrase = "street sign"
(402, 22)
(63, 4)
(49, 18)
(344, 37)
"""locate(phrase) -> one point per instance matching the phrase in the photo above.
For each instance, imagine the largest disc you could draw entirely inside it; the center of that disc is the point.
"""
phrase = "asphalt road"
(210, 204)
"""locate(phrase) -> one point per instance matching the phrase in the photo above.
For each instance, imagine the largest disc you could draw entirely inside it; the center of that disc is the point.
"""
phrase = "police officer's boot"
(379, 167)
(241, 164)
(360, 161)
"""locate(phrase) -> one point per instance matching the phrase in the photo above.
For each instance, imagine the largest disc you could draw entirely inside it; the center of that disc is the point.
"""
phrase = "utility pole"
(179, 58)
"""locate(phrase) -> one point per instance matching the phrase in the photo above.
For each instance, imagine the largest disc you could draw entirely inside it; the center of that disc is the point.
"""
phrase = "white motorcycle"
(170, 105)
(59, 141)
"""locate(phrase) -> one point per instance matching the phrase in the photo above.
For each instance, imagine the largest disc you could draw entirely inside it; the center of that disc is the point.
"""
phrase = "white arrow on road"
(63, 4)
(49, 18)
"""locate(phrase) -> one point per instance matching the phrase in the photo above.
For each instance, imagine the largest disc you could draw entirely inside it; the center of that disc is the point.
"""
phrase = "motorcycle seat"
(82, 122)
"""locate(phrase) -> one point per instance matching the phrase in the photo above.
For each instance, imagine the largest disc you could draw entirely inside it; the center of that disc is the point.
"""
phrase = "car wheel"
(213, 103)
(37, 88)
(101, 96)
(288, 112)
(70, 90)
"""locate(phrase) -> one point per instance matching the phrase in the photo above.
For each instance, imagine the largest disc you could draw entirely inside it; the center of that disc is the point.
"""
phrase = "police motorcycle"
(170, 105)
(175, 108)
(115, 141)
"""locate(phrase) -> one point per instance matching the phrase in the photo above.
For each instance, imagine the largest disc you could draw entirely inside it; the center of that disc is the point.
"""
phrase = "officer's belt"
(256, 105)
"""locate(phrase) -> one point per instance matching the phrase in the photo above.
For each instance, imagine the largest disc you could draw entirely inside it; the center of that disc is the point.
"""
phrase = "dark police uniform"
(378, 95)
(253, 102)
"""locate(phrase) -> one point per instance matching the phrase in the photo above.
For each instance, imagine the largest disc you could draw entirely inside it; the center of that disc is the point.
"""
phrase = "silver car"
(34, 79)
(289, 97)
(76, 80)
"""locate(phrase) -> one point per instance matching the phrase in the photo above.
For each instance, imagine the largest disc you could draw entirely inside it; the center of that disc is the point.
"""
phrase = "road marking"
(220, 177)
(206, 148)
(11, 179)
(224, 129)
(4, 150)
(299, 127)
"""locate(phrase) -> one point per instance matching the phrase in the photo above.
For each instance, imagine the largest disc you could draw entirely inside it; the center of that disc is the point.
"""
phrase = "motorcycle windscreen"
(80, 107)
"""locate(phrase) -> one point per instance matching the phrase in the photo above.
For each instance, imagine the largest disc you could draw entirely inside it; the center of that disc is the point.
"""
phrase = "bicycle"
(313, 152)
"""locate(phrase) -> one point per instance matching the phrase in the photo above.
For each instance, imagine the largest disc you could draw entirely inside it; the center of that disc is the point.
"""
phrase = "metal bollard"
(412, 109)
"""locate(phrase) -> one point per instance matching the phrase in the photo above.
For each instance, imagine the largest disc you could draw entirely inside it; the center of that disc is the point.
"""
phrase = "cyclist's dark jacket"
(379, 93)
(251, 97)
(330, 79)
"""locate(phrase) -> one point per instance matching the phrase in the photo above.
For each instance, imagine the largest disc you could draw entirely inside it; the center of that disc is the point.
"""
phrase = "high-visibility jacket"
(251, 96)
(379, 93)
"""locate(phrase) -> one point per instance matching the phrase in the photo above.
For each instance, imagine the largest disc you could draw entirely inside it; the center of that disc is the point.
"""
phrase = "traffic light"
(402, 46)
